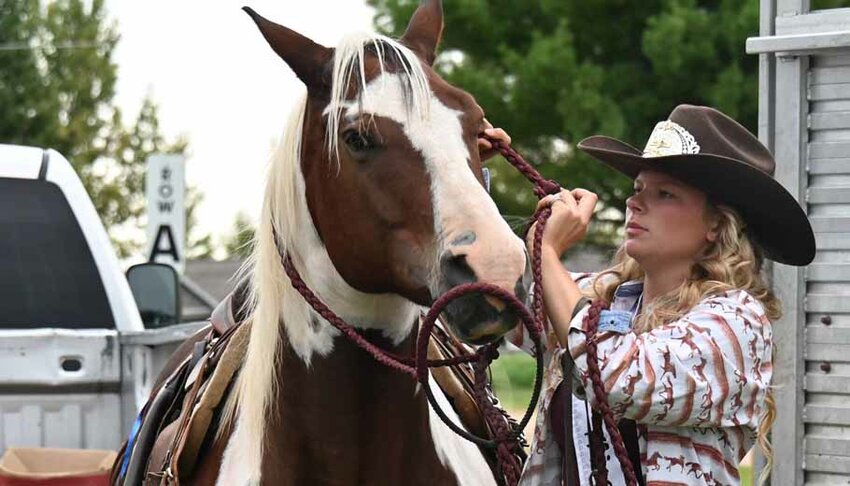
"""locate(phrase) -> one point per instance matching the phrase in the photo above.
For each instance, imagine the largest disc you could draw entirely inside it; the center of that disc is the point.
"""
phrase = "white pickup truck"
(76, 359)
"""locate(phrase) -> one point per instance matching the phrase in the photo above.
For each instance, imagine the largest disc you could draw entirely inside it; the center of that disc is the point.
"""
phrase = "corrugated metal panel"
(829, 166)
(828, 303)
(837, 224)
(826, 412)
(821, 382)
(833, 464)
(832, 241)
(828, 272)
(828, 352)
(827, 445)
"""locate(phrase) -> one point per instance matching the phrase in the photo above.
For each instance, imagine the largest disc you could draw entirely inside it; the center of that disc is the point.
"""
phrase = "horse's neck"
(346, 419)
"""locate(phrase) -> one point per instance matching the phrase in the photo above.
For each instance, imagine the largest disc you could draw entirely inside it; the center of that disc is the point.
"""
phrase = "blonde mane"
(285, 212)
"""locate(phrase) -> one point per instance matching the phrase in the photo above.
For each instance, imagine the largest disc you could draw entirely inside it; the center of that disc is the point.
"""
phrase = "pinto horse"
(376, 194)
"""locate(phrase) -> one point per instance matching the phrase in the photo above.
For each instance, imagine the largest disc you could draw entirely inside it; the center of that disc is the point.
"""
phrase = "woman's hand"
(571, 214)
(485, 148)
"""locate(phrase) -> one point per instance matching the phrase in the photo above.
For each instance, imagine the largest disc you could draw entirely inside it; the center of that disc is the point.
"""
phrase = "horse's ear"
(304, 56)
(425, 29)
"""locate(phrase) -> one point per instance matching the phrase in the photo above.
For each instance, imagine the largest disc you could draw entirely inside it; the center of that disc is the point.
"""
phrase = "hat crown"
(717, 134)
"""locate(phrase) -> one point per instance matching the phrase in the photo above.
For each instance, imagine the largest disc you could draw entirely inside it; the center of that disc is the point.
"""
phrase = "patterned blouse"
(695, 387)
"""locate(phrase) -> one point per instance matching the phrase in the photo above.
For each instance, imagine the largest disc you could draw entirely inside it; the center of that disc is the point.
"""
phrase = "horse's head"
(392, 176)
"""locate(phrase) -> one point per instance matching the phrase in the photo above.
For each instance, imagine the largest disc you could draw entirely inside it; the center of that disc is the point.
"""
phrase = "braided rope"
(510, 467)
(542, 186)
(591, 324)
(400, 363)
(489, 351)
(599, 463)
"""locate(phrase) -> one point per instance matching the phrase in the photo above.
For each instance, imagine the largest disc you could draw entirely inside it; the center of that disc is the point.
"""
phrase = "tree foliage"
(57, 85)
(240, 242)
(552, 72)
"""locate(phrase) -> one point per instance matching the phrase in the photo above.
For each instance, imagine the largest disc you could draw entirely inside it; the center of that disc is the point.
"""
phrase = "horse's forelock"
(350, 65)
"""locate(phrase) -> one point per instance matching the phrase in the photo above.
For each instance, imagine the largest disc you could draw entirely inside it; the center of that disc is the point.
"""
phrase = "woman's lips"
(633, 229)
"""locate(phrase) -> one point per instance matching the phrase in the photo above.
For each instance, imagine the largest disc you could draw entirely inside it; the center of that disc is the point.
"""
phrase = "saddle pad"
(211, 395)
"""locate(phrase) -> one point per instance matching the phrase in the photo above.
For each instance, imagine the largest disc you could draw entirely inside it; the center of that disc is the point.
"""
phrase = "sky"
(218, 82)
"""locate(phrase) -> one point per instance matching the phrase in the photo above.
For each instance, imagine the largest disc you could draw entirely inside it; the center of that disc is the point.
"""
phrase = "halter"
(506, 438)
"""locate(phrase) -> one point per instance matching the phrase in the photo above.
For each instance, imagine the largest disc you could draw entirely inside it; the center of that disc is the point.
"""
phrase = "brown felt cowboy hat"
(710, 151)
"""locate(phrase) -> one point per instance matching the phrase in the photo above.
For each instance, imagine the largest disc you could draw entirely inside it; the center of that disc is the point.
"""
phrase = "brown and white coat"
(696, 388)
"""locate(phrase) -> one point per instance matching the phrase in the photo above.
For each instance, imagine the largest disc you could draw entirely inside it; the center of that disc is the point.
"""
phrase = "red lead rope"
(505, 440)
(591, 324)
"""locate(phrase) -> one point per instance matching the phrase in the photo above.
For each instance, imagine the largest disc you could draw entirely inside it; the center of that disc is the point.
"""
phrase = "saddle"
(181, 414)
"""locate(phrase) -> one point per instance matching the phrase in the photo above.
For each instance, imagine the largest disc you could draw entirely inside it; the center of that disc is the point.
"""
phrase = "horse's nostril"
(465, 238)
(456, 270)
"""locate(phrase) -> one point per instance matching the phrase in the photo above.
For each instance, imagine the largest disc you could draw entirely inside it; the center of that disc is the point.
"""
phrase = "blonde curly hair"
(732, 262)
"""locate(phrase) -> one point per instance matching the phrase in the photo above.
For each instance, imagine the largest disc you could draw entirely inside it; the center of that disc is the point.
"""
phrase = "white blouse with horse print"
(695, 387)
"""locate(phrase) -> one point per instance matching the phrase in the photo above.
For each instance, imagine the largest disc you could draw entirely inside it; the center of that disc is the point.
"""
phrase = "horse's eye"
(358, 142)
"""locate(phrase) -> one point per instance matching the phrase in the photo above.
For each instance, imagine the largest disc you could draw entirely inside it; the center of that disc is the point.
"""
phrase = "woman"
(684, 348)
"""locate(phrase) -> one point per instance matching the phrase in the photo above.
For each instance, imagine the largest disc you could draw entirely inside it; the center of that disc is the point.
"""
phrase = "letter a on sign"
(166, 189)
(164, 244)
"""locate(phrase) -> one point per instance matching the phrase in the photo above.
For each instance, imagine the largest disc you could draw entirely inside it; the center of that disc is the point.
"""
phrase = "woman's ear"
(713, 228)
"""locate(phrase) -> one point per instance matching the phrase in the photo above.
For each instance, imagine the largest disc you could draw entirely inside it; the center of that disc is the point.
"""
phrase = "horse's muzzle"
(478, 318)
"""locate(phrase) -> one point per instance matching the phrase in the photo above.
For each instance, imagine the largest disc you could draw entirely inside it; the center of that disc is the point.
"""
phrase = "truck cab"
(76, 360)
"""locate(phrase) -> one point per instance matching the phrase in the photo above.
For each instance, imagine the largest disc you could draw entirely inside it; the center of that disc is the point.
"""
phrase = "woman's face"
(667, 221)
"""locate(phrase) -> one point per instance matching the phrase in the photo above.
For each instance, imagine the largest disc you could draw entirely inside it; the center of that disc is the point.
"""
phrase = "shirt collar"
(627, 295)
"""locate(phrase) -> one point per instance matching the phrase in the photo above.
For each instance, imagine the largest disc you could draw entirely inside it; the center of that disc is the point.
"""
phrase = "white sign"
(165, 186)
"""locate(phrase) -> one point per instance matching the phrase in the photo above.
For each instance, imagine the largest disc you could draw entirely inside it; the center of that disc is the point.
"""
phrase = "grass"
(513, 380)
(746, 472)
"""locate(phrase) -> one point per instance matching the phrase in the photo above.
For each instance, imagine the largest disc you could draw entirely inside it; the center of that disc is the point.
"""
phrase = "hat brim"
(774, 218)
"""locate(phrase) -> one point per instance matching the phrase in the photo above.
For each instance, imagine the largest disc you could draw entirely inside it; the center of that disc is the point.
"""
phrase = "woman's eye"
(358, 142)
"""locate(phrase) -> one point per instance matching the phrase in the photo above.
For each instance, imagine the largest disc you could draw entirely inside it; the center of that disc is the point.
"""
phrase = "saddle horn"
(306, 58)
(425, 30)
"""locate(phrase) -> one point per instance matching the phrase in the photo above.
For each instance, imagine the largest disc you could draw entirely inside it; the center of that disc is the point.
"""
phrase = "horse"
(376, 193)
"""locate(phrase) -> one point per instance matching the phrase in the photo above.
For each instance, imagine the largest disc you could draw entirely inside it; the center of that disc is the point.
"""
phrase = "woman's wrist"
(548, 251)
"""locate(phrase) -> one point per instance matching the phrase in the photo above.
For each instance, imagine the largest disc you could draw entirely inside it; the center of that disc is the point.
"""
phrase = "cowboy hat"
(712, 152)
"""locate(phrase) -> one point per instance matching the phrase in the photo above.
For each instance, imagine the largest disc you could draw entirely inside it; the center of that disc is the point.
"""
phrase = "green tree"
(198, 245)
(552, 72)
(240, 242)
(116, 178)
(57, 84)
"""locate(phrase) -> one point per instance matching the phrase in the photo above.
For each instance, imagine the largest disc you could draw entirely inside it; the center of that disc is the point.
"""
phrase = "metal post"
(766, 127)
(788, 281)
(790, 137)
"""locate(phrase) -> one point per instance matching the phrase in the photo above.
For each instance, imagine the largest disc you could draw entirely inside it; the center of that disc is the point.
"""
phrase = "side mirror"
(156, 288)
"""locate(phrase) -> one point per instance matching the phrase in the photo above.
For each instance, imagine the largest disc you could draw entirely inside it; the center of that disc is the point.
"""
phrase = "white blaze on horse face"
(460, 203)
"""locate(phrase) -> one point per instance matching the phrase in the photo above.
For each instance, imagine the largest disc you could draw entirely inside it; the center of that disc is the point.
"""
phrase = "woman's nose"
(634, 203)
